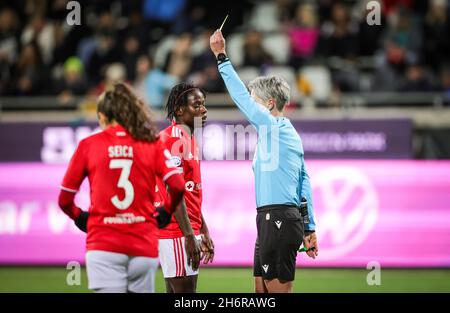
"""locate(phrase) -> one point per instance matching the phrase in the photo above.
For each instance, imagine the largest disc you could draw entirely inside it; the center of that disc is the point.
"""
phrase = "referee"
(281, 180)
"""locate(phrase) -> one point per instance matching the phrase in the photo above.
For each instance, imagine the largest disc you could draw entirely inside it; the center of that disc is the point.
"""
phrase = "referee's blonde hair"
(271, 87)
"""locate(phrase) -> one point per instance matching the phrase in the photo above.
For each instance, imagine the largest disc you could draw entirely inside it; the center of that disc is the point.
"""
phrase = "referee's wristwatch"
(222, 57)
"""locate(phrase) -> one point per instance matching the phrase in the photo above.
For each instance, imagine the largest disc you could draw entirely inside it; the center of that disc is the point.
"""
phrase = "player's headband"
(181, 94)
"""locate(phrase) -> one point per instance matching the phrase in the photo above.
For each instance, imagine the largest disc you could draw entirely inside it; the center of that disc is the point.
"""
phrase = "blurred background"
(371, 103)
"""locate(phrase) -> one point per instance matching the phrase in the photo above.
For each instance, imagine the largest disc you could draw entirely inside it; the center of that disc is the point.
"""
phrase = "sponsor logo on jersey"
(176, 161)
(189, 185)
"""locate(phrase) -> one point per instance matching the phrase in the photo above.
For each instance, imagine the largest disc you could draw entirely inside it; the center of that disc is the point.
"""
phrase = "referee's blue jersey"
(278, 163)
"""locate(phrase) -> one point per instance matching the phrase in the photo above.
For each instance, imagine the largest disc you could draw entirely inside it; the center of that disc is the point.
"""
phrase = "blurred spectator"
(5, 75)
(9, 45)
(338, 42)
(130, 53)
(444, 77)
(303, 34)
(73, 82)
(156, 83)
(122, 31)
(41, 31)
(143, 67)
(9, 32)
(33, 8)
(209, 14)
(29, 74)
(203, 72)
(390, 68)
(114, 73)
(105, 53)
(404, 30)
(62, 50)
(137, 28)
(338, 37)
(106, 48)
(202, 56)
(191, 20)
(286, 10)
(417, 80)
(161, 15)
(254, 52)
(208, 79)
(179, 59)
(165, 11)
(369, 36)
(390, 6)
(57, 10)
(436, 46)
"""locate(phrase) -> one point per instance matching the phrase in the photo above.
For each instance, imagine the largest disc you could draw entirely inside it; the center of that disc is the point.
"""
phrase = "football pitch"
(53, 279)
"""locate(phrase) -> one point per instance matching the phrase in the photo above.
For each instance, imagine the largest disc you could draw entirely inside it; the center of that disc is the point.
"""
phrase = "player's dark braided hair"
(121, 105)
(178, 97)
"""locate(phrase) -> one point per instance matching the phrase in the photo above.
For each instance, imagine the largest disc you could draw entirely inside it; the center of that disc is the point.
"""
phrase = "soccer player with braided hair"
(122, 163)
(186, 110)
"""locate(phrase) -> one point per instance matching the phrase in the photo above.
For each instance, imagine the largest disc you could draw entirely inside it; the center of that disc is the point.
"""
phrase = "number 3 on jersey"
(123, 182)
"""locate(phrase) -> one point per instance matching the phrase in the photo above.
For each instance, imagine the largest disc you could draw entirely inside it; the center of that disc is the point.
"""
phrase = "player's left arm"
(207, 244)
(173, 178)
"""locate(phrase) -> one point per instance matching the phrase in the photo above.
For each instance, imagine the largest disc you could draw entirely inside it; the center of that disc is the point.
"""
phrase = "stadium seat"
(163, 48)
(235, 48)
(319, 78)
(248, 73)
(198, 45)
(278, 46)
(366, 81)
(264, 17)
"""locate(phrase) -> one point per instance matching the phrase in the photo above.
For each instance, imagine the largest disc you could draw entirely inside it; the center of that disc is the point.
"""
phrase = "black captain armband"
(304, 210)
(222, 57)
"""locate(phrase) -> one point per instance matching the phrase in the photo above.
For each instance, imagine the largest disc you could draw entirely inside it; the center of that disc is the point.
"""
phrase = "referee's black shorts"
(280, 235)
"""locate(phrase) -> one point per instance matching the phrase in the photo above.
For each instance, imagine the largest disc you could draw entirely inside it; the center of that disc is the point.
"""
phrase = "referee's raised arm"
(254, 112)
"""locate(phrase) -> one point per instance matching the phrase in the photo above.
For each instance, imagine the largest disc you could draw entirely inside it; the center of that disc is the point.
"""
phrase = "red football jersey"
(184, 150)
(122, 177)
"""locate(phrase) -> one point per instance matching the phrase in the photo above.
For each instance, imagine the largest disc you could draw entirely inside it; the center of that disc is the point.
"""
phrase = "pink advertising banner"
(396, 213)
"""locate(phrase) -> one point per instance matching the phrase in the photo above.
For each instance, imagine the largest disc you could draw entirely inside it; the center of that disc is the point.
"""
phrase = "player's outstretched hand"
(217, 43)
(81, 221)
(207, 246)
(162, 217)
(192, 247)
(310, 243)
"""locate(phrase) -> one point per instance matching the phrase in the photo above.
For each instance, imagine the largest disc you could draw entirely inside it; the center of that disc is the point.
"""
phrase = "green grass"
(53, 279)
